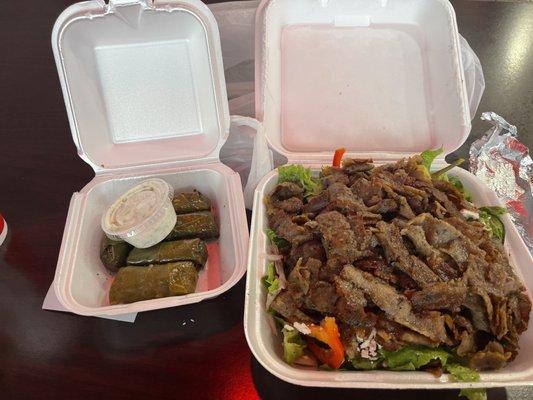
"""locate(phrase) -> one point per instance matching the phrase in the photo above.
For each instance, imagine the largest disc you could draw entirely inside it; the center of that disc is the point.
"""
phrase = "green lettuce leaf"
(299, 175)
(490, 216)
(363, 364)
(411, 358)
(428, 156)
(280, 322)
(465, 374)
(459, 185)
(270, 280)
(280, 243)
(293, 345)
(474, 394)
(462, 373)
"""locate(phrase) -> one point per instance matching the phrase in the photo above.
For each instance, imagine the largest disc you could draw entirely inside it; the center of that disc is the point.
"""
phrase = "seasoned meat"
(378, 267)
(492, 357)
(440, 296)
(519, 307)
(467, 345)
(331, 175)
(398, 255)
(442, 266)
(286, 190)
(418, 238)
(292, 205)
(384, 206)
(342, 199)
(304, 275)
(370, 192)
(396, 306)
(310, 249)
(404, 209)
(316, 203)
(353, 165)
(337, 237)
(282, 224)
(321, 298)
(474, 230)
(477, 312)
(285, 305)
(350, 304)
(387, 252)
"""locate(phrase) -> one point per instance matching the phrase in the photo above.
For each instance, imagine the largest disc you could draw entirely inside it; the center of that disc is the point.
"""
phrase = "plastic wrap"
(504, 164)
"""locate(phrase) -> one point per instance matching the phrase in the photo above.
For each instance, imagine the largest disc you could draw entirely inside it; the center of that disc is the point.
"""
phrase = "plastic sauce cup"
(143, 216)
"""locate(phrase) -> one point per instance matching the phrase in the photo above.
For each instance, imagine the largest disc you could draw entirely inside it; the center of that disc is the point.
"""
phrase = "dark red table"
(46, 354)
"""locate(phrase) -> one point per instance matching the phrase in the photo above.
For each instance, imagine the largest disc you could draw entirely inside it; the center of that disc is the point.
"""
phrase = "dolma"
(153, 282)
(114, 253)
(188, 202)
(199, 224)
(193, 250)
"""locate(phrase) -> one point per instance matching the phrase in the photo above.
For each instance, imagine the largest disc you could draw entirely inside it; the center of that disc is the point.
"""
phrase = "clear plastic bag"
(244, 152)
(474, 79)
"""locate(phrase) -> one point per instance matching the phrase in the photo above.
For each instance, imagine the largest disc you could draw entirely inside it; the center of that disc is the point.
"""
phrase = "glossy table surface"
(45, 354)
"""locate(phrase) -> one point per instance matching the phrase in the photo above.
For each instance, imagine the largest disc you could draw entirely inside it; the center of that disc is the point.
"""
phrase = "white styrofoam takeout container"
(145, 95)
(383, 79)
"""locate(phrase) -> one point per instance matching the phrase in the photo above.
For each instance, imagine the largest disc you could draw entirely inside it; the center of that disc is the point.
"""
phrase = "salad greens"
(459, 186)
(428, 156)
(293, 345)
(300, 175)
(411, 358)
(271, 280)
(279, 242)
(364, 364)
(490, 217)
(474, 394)
(462, 373)
(408, 358)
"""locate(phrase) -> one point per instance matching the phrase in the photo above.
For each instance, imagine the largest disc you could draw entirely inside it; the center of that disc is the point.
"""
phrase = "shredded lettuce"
(270, 280)
(299, 175)
(474, 394)
(293, 345)
(490, 217)
(280, 322)
(364, 364)
(462, 373)
(279, 242)
(411, 358)
(428, 156)
(459, 186)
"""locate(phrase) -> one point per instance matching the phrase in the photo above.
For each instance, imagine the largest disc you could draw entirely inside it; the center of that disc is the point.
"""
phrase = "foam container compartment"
(383, 79)
(145, 95)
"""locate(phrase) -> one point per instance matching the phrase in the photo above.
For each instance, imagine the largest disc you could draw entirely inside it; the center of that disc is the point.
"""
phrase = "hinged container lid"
(382, 78)
(143, 81)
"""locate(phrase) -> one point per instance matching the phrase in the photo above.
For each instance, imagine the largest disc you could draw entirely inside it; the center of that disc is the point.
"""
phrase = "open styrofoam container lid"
(382, 78)
(143, 81)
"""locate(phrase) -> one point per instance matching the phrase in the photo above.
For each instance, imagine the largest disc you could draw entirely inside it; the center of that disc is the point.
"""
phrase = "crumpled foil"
(504, 164)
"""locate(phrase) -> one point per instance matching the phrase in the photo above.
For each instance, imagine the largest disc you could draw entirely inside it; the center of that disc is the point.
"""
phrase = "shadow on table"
(270, 387)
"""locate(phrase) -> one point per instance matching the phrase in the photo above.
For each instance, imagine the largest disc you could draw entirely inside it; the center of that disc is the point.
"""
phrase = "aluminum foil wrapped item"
(504, 164)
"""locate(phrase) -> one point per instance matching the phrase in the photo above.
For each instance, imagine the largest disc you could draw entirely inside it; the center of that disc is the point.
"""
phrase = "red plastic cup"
(3, 229)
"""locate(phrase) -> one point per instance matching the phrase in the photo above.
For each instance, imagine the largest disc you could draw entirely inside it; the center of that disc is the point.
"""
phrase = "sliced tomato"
(337, 157)
(327, 333)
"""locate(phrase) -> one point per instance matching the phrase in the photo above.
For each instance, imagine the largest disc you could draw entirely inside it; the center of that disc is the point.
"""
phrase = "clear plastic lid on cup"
(143, 216)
